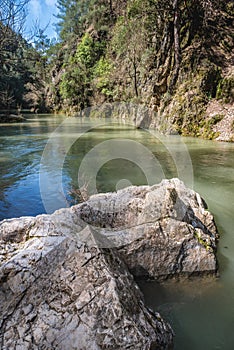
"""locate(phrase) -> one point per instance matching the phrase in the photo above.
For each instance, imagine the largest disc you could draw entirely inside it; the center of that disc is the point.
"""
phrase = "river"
(40, 162)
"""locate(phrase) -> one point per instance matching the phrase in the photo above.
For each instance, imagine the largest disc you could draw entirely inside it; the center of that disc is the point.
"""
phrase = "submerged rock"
(64, 278)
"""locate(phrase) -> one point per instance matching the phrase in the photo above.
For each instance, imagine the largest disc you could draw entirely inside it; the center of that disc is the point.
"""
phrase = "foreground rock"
(65, 284)
(59, 293)
(160, 231)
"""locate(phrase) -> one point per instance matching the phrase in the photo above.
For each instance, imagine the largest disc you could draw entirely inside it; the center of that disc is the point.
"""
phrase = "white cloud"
(35, 7)
(51, 3)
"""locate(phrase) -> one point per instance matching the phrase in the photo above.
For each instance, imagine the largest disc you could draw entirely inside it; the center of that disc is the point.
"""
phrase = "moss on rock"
(225, 89)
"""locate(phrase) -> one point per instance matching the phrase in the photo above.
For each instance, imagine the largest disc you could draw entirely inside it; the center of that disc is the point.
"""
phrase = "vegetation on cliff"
(174, 56)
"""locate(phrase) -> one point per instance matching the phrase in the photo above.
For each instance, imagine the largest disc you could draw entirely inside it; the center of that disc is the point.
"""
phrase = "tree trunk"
(177, 55)
(135, 76)
(111, 7)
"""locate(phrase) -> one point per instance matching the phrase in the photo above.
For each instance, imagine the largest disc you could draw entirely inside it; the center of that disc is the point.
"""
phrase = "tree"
(76, 80)
(12, 51)
(145, 47)
(12, 19)
(71, 17)
(129, 42)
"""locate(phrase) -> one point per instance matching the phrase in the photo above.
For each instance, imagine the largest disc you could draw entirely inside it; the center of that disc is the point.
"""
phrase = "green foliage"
(202, 241)
(225, 89)
(100, 15)
(134, 7)
(71, 17)
(88, 51)
(145, 51)
(206, 126)
(120, 32)
(85, 51)
(74, 87)
(101, 75)
(210, 80)
(15, 72)
(81, 67)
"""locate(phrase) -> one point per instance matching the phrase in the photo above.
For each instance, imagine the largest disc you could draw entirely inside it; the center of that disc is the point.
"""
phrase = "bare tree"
(6, 99)
(13, 13)
(12, 19)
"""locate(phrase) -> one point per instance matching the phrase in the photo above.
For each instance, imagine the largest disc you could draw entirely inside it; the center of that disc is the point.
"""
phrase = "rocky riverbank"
(67, 278)
(217, 121)
(12, 118)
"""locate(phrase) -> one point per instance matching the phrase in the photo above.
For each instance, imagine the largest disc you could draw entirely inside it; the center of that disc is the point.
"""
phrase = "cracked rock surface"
(65, 281)
(160, 231)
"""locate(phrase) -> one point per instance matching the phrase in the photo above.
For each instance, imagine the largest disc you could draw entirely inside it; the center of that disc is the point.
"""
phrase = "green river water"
(40, 170)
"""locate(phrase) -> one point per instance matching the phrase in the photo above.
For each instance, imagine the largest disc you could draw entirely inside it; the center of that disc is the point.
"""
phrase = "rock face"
(64, 279)
(224, 113)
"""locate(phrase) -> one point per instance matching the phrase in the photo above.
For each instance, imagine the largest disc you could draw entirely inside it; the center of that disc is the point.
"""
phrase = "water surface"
(201, 312)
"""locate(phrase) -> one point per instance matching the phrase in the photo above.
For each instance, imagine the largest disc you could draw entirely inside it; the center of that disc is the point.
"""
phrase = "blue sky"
(42, 12)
